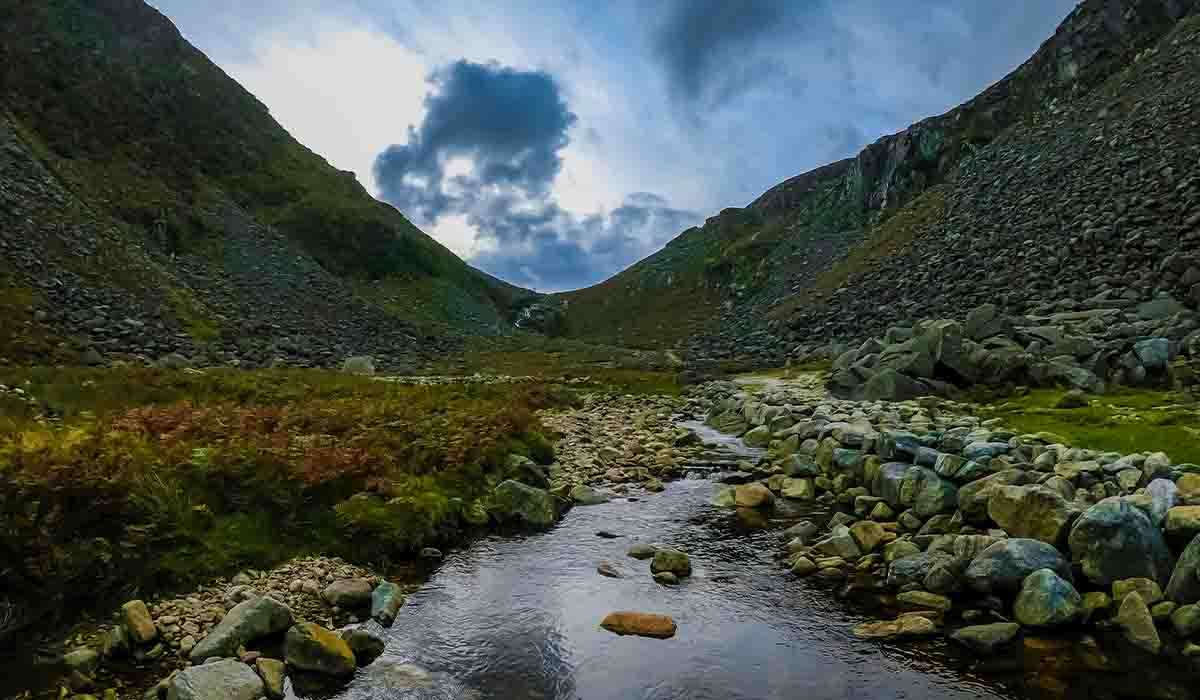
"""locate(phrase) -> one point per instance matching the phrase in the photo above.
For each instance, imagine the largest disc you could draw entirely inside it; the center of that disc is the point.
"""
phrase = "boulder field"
(964, 527)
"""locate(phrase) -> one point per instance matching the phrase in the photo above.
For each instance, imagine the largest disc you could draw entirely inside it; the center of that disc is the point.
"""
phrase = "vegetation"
(1124, 421)
(160, 478)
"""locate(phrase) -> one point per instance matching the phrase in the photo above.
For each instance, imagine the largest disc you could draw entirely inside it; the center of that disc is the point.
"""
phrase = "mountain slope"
(787, 262)
(152, 205)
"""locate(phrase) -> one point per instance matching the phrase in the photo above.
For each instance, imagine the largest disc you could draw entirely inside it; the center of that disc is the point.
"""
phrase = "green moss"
(1125, 421)
(191, 316)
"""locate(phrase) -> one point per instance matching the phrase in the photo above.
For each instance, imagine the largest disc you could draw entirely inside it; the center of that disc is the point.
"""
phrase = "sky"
(554, 143)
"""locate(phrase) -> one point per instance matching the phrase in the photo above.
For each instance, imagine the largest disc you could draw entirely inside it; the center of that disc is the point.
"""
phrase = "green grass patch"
(1125, 421)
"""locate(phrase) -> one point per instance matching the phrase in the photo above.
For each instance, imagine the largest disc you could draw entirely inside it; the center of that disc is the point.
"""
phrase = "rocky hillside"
(151, 206)
(1071, 177)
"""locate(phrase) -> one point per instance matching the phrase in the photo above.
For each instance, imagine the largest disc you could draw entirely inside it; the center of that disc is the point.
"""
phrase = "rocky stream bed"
(751, 539)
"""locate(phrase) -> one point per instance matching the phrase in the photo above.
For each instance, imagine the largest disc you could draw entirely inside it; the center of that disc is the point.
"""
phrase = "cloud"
(488, 152)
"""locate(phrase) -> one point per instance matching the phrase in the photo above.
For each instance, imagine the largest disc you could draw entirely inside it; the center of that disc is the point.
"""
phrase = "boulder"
(386, 600)
(987, 639)
(248, 620)
(589, 496)
(363, 366)
(839, 543)
(1186, 620)
(757, 437)
(753, 495)
(349, 593)
(642, 551)
(1035, 512)
(973, 498)
(514, 502)
(1004, 566)
(798, 489)
(890, 385)
(923, 600)
(927, 493)
(310, 647)
(1137, 625)
(1115, 540)
(1147, 589)
(1046, 600)
(272, 672)
(138, 623)
(364, 643)
(227, 679)
(640, 624)
(888, 482)
(1183, 521)
(673, 561)
(1184, 586)
(867, 535)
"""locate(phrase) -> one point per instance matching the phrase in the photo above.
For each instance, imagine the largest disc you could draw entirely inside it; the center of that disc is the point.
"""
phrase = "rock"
(803, 566)
(1115, 540)
(431, 553)
(640, 624)
(348, 593)
(138, 623)
(928, 493)
(1004, 566)
(1035, 512)
(1184, 586)
(310, 647)
(798, 489)
(723, 497)
(226, 679)
(272, 672)
(803, 530)
(1074, 398)
(1137, 625)
(1159, 308)
(642, 551)
(514, 502)
(867, 535)
(1186, 620)
(588, 496)
(84, 660)
(973, 498)
(386, 600)
(1046, 600)
(987, 639)
(902, 627)
(607, 569)
(666, 578)
(671, 560)
(363, 366)
(923, 600)
(890, 385)
(1183, 521)
(899, 549)
(1147, 589)
(753, 495)
(249, 620)
(365, 644)
(757, 437)
(839, 543)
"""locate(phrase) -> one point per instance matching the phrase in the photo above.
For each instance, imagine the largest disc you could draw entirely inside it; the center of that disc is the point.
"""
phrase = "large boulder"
(1114, 540)
(671, 560)
(1137, 624)
(386, 600)
(248, 620)
(973, 498)
(227, 679)
(731, 422)
(589, 496)
(757, 437)
(888, 482)
(891, 385)
(1046, 600)
(310, 647)
(1003, 567)
(348, 593)
(753, 495)
(363, 366)
(927, 493)
(514, 502)
(1184, 586)
(1035, 512)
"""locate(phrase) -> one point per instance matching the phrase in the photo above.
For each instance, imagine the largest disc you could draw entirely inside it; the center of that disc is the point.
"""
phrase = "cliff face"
(802, 239)
(151, 205)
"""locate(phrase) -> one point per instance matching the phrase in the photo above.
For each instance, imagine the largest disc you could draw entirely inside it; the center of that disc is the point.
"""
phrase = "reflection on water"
(517, 618)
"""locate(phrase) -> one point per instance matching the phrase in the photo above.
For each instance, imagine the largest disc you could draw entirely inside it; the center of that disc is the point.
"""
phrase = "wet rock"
(272, 672)
(867, 535)
(973, 498)
(987, 639)
(310, 647)
(923, 600)
(1185, 619)
(798, 489)
(839, 543)
(723, 497)
(1147, 589)
(514, 502)
(906, 626)
(1035, 512)
(608, 570)
(348, 594)
(640, 624)
(589, 496)
(138, 623)
(364, 643)
(642, 551)
(803, 566)
(672, 560)
(386, 600)
(1003, 566)
(1115, 540)
(1046, 600)
(84, 660)
(757, 437)
(249, 620)
(1184, 586)
(226, 679)
(928, 493)
(753, 495)
(1137, 625)
(1183, 521)
(666, 578)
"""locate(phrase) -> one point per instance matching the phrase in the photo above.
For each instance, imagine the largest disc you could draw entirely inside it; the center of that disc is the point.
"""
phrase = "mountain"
(149, 205)
(1072, 177)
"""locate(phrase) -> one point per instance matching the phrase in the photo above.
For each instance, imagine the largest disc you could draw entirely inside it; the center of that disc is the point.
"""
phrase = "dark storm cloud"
(511, 126)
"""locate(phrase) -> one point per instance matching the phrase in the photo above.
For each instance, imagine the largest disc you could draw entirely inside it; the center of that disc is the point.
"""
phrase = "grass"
(1125, 421)
(154, 478)
(21, 337)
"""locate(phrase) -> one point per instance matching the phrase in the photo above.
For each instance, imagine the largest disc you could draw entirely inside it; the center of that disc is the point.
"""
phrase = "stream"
(517, 618)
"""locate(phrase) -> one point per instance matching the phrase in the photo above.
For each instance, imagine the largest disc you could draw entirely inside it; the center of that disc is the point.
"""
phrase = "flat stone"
(310, 647)
(986, 639)
(906, 626)
(640, 624)
(225, 679)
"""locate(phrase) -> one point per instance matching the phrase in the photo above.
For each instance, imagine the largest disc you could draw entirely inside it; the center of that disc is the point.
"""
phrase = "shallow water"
(518, 618)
